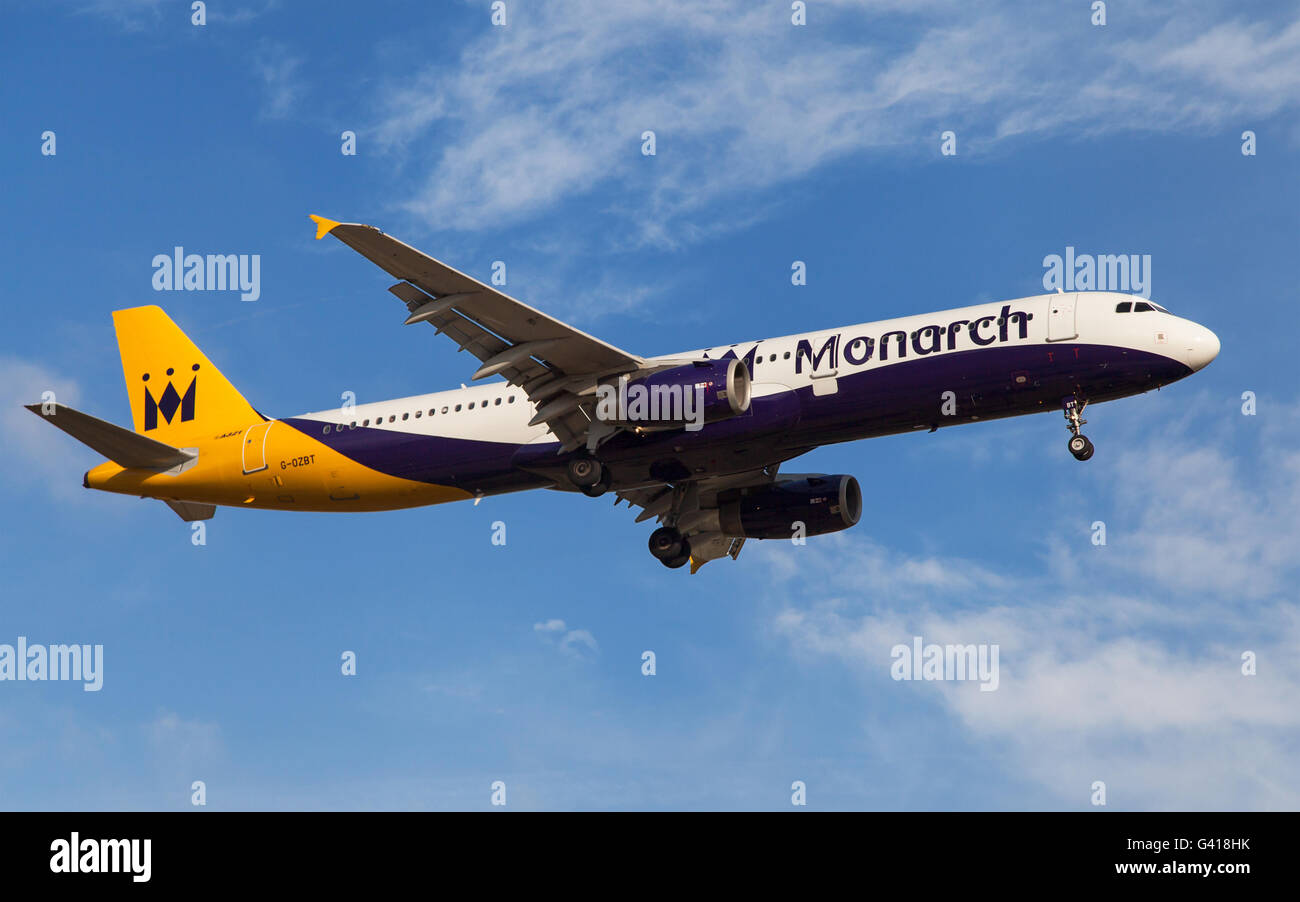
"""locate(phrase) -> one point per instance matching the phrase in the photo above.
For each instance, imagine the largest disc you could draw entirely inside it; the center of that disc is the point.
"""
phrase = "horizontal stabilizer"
(122, 446)
(190, 511)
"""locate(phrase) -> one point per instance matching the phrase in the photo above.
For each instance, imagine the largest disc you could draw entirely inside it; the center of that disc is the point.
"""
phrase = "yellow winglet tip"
(323, 226)
(696, 565)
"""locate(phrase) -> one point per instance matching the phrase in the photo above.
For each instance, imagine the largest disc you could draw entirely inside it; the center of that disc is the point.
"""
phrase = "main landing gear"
(589, 475)
(1079, 445)
(667, 544)
(671, 548)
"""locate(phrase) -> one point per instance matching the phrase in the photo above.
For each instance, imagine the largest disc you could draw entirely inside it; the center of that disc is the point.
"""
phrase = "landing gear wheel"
(1079, 445)
(600, 488)
(584, 471)
(680, 561)
(667, 544)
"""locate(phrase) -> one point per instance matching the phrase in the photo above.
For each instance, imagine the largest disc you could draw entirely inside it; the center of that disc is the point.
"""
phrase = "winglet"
(323, 225)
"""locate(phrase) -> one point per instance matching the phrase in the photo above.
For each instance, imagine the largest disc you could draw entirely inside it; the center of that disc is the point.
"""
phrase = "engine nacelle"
(822, 503)
(701, 392)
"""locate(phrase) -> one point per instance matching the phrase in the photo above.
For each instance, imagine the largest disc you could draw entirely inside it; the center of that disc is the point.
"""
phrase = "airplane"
(700, 453)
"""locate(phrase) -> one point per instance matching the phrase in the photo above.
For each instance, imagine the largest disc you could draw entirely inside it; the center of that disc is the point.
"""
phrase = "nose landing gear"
(1079, 445)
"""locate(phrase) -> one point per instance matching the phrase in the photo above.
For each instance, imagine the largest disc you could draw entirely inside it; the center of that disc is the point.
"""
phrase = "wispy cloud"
(575, 643)
(137, 15)
(36, 453)
(279, 70)
(240, 15)
(552, 107)
(1130, 672)
(183, 750)
(184, 743)
(130, 15)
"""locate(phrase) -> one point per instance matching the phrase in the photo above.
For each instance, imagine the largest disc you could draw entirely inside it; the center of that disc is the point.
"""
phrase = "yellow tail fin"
(177, 395)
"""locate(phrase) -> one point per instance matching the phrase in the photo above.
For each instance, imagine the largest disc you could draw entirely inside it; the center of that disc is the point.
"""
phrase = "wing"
(555, 364)
(693, 505)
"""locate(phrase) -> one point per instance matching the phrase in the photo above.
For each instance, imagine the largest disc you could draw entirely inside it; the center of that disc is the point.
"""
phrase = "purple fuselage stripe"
(987, 383)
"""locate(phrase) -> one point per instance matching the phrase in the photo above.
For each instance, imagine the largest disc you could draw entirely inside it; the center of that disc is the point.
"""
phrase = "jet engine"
(701, 392)
(821, 503)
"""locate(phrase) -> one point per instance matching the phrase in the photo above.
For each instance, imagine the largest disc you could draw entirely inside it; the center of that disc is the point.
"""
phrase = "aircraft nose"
(1202, 346)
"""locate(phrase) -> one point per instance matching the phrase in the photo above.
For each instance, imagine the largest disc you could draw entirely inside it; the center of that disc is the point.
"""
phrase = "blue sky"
(775, 143)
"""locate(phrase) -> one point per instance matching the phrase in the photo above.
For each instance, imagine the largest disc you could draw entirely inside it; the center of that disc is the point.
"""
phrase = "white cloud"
(136, 15)
(187, 741)
(130, 15)
(36, 452)
(184, 750)
(575, 643)
(1206, 521)
(1131, 675)
(279, 71)
(1251, 64)
(552, 107)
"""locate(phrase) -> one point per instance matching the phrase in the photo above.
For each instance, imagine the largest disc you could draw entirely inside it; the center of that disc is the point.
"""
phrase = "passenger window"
(393, 418)
(1140, 307)
(431, 410)
(471, 405)
(326, 430)
(497, 402)
(365, 423)
(352, 425)
(418, 414)
(772, 359)
(457, 408)
(406, 416)
(511, 399)
(787, 356)
(1124, 307)
(444, 410)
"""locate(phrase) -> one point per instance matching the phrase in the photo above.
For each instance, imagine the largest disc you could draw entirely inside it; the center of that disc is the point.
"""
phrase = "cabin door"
(255, 447)
(1060, 317)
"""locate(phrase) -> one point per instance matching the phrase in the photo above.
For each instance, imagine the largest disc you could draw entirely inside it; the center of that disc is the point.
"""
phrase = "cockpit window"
(1142, 307)
(1123, 306)
(1158, 307)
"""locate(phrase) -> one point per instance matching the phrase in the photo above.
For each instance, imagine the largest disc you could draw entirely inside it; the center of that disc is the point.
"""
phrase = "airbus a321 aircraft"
(708, 475)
